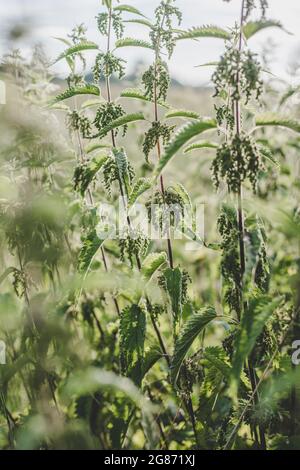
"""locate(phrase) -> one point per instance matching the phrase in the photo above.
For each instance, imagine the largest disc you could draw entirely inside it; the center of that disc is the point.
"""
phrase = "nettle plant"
(247, 291)
(104, 170)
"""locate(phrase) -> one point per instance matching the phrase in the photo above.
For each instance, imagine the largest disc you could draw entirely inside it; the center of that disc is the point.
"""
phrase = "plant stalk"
(241, 229)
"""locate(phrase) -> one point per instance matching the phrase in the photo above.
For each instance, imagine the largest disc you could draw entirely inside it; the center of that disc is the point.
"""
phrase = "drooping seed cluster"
(106, 64)
(116, 23)
(134, 245)
(117, 168)
(156, 132)
(156, 81)
(78, 122)
(236, 162)
(106, 114)
(238, 74)
(162, 34)
(165, 210)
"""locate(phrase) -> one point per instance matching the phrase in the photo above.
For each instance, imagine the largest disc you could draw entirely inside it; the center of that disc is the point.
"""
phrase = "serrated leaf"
(91, 244)
(10, 370)
(83, 46)
(122, 121)
(208, 64)
(253, 321)
(181, 137)
(190, 331)
(63, 40)
(60, 107)
(138, 94)
(215, 356)
(91, 103)
(253, 27)
(132, 340)
(91, 171)
(206, 31)
(150, 359)
(140, 187)
(181, 190)
(6, 273)
(201, 144)
(288, 94)
(129, 9)
(92, 379)
(140, 21)
(76, 91)
(268, 155)
(91, 148)
(181, 113)
(132, 42)
(173, 284)
(277, 120)
(152, 263)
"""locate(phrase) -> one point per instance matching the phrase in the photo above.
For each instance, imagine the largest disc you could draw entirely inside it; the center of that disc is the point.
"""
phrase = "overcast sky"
(50, 18)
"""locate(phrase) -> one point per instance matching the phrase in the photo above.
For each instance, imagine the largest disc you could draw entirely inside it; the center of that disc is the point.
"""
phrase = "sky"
(52, 18)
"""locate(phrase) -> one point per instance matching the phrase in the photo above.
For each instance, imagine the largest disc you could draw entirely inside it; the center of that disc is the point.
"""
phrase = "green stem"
(241, 229)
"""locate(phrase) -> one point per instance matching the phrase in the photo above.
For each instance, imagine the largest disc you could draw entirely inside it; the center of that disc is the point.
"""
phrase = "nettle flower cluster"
(156, 80)
(237, 79)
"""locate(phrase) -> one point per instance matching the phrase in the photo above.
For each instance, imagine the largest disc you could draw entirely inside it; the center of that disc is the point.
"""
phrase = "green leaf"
(132, 340)
(253, 321)
(10, 370)
(83, 46)
(91, 171)
(129, 9)
(182, 191)
(182, 136)
(173, 283)
(93, 379)
(75, 91)
(277, 120)
(190, 331)
(6, 273)
(140, 21)
(214, 356)
(107, 3)
(253, 27)
(60, 107)
(208, 64)
(140, 187)
(132, 42)
(92, 102)
(152, 263)
(138, 94)
(182, 113)
(91, 244)
(91, 148)
(122, 121)
(206, 31)
(201, 144)
(63, 40)
(150, 359)
(291, 91)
